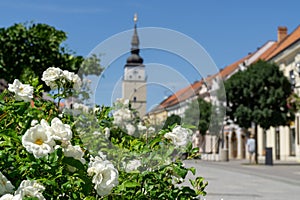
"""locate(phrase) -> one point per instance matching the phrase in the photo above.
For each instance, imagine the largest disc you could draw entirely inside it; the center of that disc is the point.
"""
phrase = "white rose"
(51, 75)
(122, 115)
(105, 176)
(141, 127)
(38, 141)
(77, 82)
(30, 189)
(180, 136)
(130, 129)
(22, 91)
(107, 132)
(68, 75)
(151, 129)
(81, 107)
(132, 165)
(60, 131)
(11, 197)
(75, 152)
(5, 185)
(123, 102)
(73, 78)
(34, 122)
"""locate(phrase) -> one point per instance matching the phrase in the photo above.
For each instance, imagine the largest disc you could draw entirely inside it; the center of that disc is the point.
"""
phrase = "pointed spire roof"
(135, 38)
(134, 58)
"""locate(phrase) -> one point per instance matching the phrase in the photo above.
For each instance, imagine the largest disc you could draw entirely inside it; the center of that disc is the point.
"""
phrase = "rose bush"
(47, 152)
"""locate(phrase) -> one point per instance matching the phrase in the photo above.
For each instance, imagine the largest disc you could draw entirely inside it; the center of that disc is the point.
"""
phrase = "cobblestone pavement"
(238, 180)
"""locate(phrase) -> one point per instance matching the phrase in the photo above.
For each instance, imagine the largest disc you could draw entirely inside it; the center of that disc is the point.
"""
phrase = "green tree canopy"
(198, 114)
(26, 51)
(172, 119)
(259, 94)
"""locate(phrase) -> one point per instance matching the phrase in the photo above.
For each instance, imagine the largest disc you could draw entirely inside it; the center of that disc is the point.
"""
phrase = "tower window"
(134, 99)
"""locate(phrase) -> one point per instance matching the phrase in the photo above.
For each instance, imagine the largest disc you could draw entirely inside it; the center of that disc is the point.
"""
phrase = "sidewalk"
(238, 180)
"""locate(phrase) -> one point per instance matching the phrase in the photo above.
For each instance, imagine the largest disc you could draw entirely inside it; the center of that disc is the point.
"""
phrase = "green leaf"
(193, 170)
(180, 171)
(131, 184)
(73, 162)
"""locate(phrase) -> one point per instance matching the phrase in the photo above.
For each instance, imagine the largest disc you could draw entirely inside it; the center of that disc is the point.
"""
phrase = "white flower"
(96, 133)
(180, 136)
(38, 141)
(81, 107)
(5, 185)
(51, 75)
(68, 75)
(73, 78)
(141, 127)
(11, 197)
(107, 132)
(132, 165)
(34, 122)
(22, 91)
(105, 176)
(30, 189)
(121, 116)
(60, 131)
(75, 152)
(130, 129)
(76, 82)
(151, 129)
(101, 155)
(123, 102)
(96, 109)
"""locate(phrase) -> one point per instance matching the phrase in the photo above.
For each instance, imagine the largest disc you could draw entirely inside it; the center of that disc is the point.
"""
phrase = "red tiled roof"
(285, 43)
(181, 95)
(268, 52)
(234, 66)
(189, 91)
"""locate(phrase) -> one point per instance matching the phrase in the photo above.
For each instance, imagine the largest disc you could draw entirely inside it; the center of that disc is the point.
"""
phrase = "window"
(292, 78)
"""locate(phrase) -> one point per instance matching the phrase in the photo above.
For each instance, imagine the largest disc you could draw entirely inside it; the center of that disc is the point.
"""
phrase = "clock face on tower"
(135, 74)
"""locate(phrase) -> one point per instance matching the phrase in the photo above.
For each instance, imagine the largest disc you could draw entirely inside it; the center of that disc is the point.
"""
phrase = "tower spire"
(135, 57)
(135, 38)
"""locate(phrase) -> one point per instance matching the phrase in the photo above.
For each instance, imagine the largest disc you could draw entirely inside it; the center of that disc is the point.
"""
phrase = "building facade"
(134, 80)
(284, 140)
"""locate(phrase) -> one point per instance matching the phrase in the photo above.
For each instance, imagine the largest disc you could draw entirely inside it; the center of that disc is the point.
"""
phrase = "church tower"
(134, 79)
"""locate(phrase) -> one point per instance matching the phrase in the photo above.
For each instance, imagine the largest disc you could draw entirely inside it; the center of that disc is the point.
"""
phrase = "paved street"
(237, 180)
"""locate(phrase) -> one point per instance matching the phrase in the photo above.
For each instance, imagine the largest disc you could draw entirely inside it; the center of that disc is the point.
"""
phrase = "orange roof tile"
(231, 68)
(285, 43)
(268, 52)
(181, 95)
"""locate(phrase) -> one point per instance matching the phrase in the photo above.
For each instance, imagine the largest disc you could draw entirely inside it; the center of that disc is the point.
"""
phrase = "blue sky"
(227, 30)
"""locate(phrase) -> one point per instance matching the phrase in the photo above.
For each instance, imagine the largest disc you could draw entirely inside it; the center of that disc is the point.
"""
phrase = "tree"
(26, 51)
(259, 95)
(198, 114)
(172, 119)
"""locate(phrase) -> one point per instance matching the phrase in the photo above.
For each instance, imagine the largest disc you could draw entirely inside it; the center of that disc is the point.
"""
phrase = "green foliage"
(158, 177)
(91, 65)
(27, 50)
(259, 94)
(198, 114)
(171, 120)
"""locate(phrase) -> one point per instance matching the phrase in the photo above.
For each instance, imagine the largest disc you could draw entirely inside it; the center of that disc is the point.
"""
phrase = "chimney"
(281, 33)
